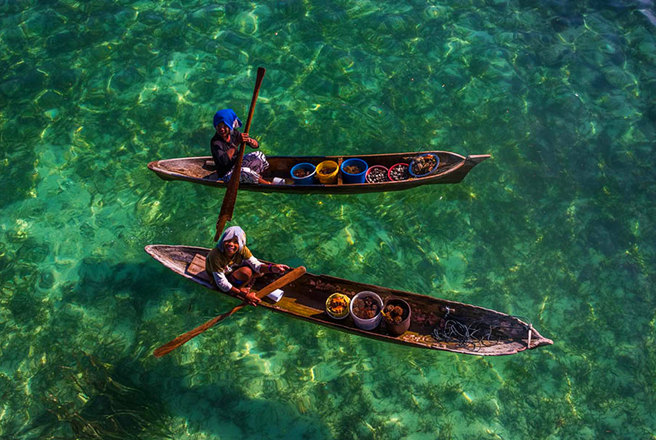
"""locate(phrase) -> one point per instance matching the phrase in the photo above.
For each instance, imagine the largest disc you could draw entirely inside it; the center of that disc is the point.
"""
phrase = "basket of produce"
(398, 171)
(303, 173)
(354, 170)
(377, 174)
(424, 165)
(366, 308)
(327, 171)
(337, 305)
(396, 315)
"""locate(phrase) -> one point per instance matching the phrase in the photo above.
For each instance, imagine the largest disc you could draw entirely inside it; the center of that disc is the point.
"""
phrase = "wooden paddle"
(230, 197)
(182, 339)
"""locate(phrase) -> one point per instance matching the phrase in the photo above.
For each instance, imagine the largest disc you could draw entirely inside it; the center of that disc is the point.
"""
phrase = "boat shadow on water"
(117, 390)
(98, 399)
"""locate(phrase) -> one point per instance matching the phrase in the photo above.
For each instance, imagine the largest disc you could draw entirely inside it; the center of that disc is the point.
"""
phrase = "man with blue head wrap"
(228, 117)
(225, 148)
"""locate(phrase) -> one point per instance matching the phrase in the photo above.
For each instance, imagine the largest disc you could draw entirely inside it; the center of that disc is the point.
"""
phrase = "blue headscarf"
(229, 234)
(228, 117)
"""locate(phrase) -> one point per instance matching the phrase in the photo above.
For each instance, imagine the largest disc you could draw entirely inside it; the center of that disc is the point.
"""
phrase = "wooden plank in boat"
(197, 266)
(339, 174)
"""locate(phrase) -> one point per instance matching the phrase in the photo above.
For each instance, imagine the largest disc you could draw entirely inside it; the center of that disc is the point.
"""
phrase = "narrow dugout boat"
(452, 168)
(436, 324)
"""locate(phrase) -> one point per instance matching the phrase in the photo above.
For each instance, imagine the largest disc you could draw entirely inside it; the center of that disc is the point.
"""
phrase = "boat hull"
(305, 299)
(452, 169)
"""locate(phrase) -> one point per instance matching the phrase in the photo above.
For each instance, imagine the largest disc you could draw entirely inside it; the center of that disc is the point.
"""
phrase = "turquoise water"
(558, 227)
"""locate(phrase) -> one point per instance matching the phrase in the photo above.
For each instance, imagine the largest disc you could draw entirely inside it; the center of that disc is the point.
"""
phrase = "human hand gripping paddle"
(230, 197)
(182, 339)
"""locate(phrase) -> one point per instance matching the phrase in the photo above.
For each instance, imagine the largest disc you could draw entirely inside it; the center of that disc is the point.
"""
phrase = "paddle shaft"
(182, 339)
(230, 197)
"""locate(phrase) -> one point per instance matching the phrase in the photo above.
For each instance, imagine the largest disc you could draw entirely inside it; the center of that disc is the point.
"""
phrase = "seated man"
(232, 266)
(225, 148)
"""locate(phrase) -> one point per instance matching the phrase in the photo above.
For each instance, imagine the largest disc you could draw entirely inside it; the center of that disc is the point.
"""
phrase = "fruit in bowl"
(337, 305)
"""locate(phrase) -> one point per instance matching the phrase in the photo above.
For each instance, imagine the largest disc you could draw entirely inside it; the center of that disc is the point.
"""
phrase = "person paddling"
(233, 267)
(225, 148)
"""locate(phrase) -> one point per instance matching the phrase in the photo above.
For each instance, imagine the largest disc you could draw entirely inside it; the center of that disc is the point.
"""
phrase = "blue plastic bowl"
(354, 178)
(437, 163)
(307, 180)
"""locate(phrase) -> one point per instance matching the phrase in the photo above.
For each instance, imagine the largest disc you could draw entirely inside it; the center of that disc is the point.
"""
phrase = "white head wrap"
(229, 234)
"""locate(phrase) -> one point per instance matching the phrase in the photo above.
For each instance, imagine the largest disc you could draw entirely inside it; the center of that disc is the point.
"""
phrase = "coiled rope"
(472, 336)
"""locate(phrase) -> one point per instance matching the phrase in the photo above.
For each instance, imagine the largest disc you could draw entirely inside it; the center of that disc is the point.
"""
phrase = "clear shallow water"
(557, 227)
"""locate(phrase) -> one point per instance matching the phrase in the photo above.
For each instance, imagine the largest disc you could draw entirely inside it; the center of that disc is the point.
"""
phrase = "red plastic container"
(406, 174)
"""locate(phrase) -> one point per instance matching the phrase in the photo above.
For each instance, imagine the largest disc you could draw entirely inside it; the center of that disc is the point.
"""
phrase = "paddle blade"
(182, 339)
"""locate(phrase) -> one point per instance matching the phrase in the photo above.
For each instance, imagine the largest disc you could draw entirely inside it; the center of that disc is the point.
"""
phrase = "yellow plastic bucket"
(324, 174)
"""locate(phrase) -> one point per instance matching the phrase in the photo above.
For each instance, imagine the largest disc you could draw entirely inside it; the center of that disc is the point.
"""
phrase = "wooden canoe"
(462, 328)
(452, 168)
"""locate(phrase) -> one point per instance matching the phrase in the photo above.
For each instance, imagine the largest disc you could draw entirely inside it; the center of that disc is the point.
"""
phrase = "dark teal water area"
(558, 227)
